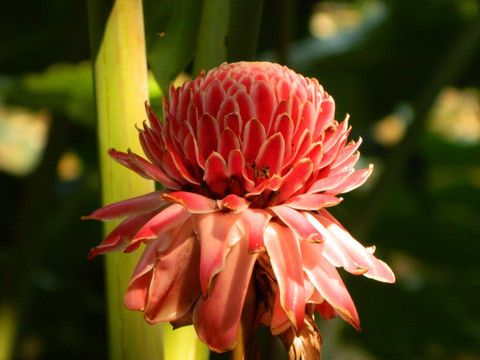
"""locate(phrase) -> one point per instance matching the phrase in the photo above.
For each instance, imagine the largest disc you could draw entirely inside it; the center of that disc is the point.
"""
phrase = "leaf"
(212, 35)
(171, 29)
(65, 89)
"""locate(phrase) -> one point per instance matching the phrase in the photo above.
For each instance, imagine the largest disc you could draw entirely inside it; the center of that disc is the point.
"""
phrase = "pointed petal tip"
(114, 153)
(92, 253)
(383, 273)
(147, 106)
(100, 250)
(350, 316)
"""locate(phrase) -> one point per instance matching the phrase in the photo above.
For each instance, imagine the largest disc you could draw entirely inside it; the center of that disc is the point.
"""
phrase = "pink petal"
(151, 144)
(182, 109)
(270, 154)
(172, 216)
(153, 118)
(300, 91)
(347, 152)
(307, 120)
(312, 296)
(236, 170)
(279, 321)
(294, 106)
(326, 310)
(283, 90)
(345, 167)
(315, 154)
(217, 233)
(357, 259)
(216, 318)
(352, 181)
(284, 125)
(284, 251)
(234, 122)
(328, 282)
(136, 296)
(198, 98)
(272, 183)
(152, 171)
(136, 205)
(255, 222)
(215, 175)
(246, 106)
(312, 201)
(192, 116)
(192, 151)
(228, 108)
(333, 251)
(125, 160)
(227, 143)
(302, 146)
(331, 152)
(214, 97)
(336, 136)
(328, 182)
(169, 108)
(194, 203)
(298, 223)
(280, 110)
(175, 286)
(325, 116)
(253, 138)
(172, 157)
(233, 203)
(295, 179)
(234, 88)
(208, 133)
(121, 236)
(246, 80)
(172, 169)
(263, 101)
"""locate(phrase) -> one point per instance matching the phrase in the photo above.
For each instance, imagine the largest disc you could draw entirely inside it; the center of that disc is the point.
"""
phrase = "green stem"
(120, 73)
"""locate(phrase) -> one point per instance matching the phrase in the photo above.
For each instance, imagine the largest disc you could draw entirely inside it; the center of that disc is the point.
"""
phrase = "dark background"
(407, 72)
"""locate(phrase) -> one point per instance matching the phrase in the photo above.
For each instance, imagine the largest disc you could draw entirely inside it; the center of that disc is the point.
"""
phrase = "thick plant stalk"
(118, 46)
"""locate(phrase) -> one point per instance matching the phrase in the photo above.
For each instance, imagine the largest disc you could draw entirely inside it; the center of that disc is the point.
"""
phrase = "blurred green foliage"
(63, 89)
(421, 209)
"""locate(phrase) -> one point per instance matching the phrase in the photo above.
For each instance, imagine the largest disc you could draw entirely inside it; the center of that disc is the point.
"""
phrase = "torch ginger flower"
(251, 157)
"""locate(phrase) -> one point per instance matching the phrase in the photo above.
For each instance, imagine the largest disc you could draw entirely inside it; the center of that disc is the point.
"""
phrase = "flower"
(250, 157)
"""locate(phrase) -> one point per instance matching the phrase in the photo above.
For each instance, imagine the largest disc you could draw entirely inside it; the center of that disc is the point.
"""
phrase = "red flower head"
(251, 157)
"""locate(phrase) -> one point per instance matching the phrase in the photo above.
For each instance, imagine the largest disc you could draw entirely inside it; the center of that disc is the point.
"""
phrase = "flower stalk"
(120, 74)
